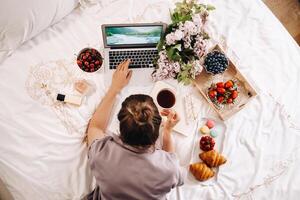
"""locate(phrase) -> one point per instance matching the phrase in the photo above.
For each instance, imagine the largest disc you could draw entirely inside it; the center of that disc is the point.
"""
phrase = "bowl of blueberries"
(215, 62)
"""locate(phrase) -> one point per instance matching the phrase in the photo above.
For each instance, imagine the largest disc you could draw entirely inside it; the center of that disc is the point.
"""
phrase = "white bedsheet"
(41, 151)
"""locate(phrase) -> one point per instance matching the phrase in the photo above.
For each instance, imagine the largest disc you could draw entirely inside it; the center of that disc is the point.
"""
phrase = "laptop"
(135, 41)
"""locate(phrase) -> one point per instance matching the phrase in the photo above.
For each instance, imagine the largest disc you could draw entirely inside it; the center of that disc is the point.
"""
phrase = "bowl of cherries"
(89, 60)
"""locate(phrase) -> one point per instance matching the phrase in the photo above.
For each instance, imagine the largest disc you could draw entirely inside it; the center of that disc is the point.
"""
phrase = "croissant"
(201, 172)
(212, 158)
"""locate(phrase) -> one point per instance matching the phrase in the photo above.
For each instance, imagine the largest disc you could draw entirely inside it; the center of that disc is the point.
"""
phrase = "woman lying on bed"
(128, 166)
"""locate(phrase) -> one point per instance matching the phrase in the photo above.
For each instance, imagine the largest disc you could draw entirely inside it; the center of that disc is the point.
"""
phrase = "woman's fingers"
(176, 117)
(128, 77)
(171, 115)
(120, 65)
(165, 112)
(125, 65)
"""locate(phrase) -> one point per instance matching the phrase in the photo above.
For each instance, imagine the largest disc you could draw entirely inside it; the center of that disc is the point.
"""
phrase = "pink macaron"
(210, 123)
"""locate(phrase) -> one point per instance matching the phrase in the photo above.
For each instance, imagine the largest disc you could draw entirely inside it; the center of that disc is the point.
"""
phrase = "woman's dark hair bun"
(144, 114)
(139, 120)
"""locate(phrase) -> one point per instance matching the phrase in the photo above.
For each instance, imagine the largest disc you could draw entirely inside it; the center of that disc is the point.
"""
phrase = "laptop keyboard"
(139, 58)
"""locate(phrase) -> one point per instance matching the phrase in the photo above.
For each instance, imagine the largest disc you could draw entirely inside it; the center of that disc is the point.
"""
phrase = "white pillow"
(21, 20)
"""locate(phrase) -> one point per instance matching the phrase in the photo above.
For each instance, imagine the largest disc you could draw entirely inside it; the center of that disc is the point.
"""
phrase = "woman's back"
(126, 172)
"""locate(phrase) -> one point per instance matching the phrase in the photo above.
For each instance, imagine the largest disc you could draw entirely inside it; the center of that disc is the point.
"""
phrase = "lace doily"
(45, 81)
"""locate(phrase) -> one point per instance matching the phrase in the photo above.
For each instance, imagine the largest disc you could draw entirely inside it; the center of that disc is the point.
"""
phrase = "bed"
(42, 154)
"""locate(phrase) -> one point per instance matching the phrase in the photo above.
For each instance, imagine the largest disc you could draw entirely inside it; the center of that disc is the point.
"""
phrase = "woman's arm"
(98, 123)
(172, 120)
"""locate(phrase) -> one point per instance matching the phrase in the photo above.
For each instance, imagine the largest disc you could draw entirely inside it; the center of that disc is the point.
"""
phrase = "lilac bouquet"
(184, 44)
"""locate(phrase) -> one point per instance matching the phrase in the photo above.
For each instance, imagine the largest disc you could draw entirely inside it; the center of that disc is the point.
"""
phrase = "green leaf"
(170, 52)
(210, 7)
(160, 44)
(178, 47)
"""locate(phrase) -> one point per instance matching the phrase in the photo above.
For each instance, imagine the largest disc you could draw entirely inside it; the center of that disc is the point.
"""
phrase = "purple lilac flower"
(166, 68)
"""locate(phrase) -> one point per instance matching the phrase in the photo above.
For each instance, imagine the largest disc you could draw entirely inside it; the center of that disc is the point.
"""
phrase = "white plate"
(220, 127)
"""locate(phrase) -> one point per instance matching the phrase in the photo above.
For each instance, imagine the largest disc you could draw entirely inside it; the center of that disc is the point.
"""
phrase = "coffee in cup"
(166, 98)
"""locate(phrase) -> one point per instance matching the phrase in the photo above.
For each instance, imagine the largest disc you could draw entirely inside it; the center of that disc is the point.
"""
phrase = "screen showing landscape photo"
(133, 35)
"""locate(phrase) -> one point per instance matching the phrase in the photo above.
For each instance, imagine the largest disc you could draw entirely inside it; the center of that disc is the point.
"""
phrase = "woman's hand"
(121, 76)
(172, 119)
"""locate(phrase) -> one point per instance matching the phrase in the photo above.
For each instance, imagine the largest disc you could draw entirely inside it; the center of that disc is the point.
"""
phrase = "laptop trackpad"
(141, 77)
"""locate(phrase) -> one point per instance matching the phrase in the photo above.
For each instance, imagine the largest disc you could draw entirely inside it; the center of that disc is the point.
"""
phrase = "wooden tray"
(246, 91)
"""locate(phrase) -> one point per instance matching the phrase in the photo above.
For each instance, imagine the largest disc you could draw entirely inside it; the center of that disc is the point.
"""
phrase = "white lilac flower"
(197, 20)
(187, 41)
(170, 38)
(200, 47)
(196, 69)
(178, 35)
(166, 68)
(190, 28)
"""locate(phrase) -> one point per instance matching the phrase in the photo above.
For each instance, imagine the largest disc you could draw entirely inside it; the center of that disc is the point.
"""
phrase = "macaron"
(213, 133)
(210, 123)
(204, 130)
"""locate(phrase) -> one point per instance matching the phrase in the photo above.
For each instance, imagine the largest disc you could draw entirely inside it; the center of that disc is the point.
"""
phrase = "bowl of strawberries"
(223, 93)
(89, 60)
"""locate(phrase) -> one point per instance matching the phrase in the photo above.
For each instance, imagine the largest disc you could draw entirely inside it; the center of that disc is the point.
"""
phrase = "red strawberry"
(221, 90)
(220, 85)
(234, 94)
(230, 100)
(228, 84)
(220, 99)
(212, 94)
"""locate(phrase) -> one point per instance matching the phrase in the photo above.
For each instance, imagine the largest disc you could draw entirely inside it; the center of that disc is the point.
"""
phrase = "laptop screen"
(133, 35)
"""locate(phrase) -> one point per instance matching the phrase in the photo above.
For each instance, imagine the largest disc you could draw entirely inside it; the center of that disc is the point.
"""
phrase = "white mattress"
(41, 151)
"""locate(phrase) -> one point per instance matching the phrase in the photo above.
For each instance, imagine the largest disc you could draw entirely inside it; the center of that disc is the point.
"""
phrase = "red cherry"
(97, 62)
(79, 62)
(92, 65)
(86, 63)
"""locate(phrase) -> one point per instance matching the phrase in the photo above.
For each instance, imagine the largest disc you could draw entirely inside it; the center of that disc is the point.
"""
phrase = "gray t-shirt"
(124, 172)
